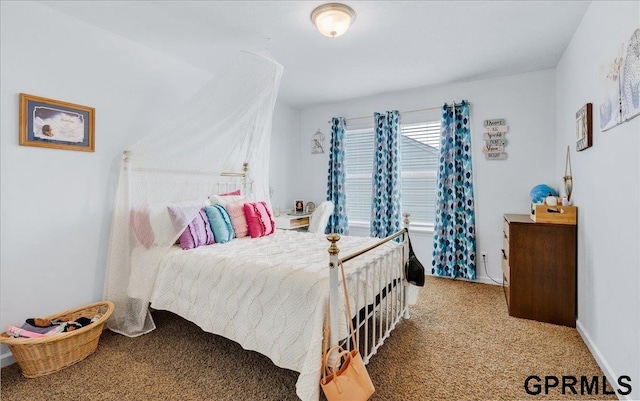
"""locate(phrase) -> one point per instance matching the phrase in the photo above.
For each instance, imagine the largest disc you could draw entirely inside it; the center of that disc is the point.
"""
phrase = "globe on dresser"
(540, 192)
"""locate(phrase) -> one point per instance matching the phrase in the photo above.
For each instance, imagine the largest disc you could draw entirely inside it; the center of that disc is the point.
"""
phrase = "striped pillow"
(238, 219)
(220, 223)
(259, 219)
(197, 233)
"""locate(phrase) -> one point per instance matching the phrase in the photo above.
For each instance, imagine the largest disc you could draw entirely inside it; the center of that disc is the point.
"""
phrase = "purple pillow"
(197, 233)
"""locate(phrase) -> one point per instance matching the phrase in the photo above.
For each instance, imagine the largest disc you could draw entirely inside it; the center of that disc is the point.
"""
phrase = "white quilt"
(268, 294)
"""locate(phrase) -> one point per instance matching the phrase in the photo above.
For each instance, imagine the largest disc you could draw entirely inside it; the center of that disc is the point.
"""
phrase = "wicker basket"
(42, 356)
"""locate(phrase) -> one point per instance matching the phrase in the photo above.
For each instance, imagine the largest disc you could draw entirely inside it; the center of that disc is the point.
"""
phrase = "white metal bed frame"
(381, 314)
(390, 306)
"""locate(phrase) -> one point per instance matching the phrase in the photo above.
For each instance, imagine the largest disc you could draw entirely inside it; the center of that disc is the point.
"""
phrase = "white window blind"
(419, 152)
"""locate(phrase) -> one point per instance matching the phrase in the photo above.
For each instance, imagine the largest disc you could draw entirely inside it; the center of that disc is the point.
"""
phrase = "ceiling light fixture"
(333, 19)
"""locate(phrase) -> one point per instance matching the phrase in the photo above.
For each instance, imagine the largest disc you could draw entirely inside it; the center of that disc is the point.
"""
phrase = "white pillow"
(154, 226)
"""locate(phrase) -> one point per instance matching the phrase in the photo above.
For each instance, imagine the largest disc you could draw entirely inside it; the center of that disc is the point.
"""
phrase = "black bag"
(413, 270)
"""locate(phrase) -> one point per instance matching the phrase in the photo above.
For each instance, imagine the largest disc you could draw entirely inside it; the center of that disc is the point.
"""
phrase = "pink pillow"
(259, 219)
(234, 193)
(141, 225)
(238, 219)
(224, 200)
(197, 233)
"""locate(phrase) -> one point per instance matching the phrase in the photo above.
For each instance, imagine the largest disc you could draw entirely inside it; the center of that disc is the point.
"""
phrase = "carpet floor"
(460, 344)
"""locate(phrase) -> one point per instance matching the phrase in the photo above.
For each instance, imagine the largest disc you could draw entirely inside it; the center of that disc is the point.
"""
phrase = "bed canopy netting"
(225, 124)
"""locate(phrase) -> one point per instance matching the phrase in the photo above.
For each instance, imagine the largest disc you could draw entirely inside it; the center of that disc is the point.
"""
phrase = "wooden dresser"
(539, 270)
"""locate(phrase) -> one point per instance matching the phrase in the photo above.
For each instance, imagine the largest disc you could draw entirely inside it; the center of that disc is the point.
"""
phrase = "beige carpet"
(460, 344)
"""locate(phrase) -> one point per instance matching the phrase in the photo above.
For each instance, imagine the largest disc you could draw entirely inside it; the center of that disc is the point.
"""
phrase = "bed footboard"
(377, 314)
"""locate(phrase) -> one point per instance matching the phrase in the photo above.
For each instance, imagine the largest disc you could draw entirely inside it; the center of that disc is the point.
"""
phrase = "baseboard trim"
(7, 359)
(485, 280)
(478, 279)
(602, 362)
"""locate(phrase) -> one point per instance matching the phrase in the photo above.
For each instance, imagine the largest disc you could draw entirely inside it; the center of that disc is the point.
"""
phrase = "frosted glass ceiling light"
(333, 19)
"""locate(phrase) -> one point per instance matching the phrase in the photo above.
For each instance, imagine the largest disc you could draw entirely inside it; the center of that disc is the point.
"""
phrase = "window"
(419, 153)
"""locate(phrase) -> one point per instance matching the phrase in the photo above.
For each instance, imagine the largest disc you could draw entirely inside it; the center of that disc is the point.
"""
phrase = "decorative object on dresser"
(584, 129)
(556, 214)
(539, 193)
(539, 270)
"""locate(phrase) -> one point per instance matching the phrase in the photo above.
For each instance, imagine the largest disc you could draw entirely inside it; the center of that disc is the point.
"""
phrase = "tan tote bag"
(350, 381)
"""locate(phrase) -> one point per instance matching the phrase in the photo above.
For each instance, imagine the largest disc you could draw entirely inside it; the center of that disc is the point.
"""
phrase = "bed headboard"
(186, 181)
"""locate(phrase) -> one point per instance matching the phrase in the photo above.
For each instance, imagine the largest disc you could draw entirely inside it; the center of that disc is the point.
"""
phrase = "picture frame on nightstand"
(299, 206)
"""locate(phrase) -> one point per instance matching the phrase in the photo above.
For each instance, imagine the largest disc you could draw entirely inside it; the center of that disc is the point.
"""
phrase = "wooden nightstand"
(292, 222)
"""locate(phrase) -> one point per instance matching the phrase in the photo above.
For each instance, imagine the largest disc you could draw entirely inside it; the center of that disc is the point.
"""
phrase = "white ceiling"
(392, 45)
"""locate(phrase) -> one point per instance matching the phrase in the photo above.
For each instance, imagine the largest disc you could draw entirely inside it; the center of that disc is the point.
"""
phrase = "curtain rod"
(402, 112)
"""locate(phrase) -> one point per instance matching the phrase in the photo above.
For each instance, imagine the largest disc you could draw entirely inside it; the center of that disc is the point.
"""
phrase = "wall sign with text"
(495, 132)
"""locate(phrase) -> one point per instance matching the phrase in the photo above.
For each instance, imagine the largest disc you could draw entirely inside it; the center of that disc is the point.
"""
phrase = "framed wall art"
(49, 123)
(584, 128)
(630, 79)
(620, 77)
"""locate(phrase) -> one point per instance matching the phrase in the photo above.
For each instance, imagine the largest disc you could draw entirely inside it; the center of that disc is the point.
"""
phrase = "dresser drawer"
(505, 248)
(507, 291)
(505, 229)
(505, 268)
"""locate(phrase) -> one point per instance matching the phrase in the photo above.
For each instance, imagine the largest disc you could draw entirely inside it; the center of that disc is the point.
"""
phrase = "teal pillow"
(220, 223)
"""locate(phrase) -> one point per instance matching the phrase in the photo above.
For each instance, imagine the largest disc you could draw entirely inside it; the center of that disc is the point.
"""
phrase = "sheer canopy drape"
(385, 202)
(166, 177)
(454, 239)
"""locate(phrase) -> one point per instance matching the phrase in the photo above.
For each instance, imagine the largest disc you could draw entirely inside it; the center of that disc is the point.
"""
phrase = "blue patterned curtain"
(385, 204)
(336, 188)
(454, 239)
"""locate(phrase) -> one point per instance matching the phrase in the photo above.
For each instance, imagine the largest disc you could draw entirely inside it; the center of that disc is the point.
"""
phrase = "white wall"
(285, 143)
(526, 101)
(57, 204)
(606, 180)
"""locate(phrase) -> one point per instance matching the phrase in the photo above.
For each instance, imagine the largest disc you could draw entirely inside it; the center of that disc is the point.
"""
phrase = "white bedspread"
(268, 294)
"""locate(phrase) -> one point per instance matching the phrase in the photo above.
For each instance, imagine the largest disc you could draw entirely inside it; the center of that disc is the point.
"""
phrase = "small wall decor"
(317, 143)
(610, 107)
(630, 78)
(621, 85)
(49, 123)
(494, 135)
(568, 179)
(584, 129)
